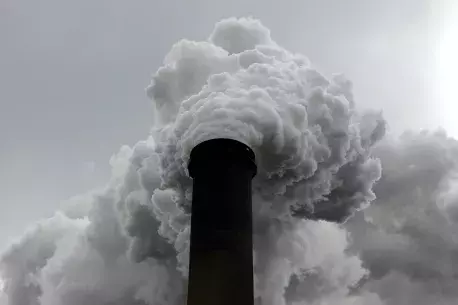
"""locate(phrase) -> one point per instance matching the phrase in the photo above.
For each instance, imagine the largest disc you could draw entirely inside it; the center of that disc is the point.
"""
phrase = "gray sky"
(73, 73)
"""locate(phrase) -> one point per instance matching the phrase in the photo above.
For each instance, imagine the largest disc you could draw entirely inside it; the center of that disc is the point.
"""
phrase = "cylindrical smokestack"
(221, 255)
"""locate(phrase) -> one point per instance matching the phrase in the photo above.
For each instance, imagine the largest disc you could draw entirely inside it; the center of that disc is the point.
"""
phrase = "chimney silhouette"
(221, 251)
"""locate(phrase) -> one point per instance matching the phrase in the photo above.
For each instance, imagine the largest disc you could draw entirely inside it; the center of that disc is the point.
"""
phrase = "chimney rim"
(224, 149)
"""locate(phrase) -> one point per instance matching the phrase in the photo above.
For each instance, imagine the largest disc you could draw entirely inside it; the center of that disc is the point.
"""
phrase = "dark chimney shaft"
(221, 255)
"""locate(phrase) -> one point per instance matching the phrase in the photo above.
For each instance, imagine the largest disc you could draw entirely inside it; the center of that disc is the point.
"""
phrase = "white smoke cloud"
(408, 237)
(319, 161)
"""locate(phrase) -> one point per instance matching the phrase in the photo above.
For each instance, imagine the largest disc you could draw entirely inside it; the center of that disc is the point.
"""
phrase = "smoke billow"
(408, 238)
(319, 163)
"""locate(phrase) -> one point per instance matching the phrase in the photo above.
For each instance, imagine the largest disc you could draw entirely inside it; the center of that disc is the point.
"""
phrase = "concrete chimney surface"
(221, 254)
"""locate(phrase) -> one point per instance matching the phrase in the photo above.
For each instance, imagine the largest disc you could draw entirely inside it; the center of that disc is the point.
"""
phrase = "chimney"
(221, 253)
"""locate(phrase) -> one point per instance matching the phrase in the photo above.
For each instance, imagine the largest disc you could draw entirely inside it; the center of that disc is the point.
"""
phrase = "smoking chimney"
(221, 255)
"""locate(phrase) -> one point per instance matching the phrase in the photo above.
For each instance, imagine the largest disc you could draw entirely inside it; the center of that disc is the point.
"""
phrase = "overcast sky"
(73, 73)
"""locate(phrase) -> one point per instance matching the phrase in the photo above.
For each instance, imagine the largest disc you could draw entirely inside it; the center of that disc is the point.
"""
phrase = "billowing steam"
(319, 161)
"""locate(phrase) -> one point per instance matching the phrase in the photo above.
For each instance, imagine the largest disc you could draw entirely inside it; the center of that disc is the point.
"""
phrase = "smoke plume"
(316, 239)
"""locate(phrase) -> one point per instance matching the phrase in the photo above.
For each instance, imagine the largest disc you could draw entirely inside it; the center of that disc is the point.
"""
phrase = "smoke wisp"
(317, 239)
